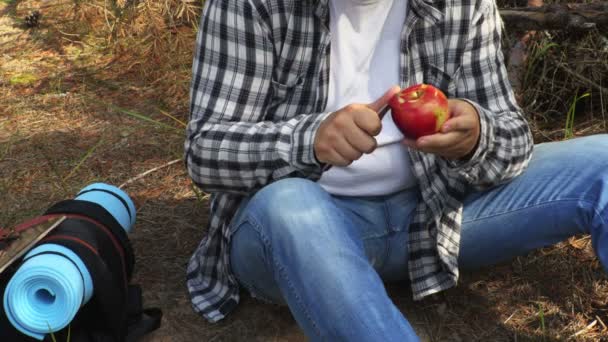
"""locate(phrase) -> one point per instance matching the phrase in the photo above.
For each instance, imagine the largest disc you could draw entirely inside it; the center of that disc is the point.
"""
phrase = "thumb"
(382, 102)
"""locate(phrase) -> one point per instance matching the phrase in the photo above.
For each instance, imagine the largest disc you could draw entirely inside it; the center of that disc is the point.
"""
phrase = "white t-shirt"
(365, 43)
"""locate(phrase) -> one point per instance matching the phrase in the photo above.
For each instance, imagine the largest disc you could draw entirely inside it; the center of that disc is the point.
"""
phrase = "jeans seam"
(387, 252)
(597, 211)
(257, 227)
(253, 290)
(526, 207)
(281, 270)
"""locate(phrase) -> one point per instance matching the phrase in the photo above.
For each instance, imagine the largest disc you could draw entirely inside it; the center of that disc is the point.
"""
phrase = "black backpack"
(115, 312)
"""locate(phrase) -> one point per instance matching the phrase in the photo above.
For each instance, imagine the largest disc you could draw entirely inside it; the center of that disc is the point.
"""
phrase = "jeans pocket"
(401, 209)
(376, 250)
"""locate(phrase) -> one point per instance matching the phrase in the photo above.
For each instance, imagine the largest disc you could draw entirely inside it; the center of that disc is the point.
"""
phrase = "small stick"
(142, 175)
(508, 319)
(601, 322)
(591, 325)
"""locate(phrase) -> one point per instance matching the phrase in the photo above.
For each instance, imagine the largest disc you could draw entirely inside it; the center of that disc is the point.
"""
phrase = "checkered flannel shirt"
(258, 95)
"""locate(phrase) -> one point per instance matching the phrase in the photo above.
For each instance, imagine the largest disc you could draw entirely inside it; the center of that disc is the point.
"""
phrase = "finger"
(379, 104)
(451, 152)
(459, 123)
(334, 158)
(458, 107)
(346, 150)
(440, 141)
(361, 141)
(409, 142)
(368, 121)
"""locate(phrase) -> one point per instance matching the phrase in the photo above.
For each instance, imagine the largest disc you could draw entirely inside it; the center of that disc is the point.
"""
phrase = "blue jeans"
(326, 256)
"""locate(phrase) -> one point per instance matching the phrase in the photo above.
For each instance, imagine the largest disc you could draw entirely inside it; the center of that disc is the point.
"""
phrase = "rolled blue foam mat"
(47, 291)
(114, 200)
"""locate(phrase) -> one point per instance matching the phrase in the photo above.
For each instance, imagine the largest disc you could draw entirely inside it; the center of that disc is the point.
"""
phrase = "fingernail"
(446, 127)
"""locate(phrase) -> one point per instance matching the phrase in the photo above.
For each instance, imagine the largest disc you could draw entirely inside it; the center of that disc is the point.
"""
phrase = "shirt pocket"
(441, 79)
(282, 95)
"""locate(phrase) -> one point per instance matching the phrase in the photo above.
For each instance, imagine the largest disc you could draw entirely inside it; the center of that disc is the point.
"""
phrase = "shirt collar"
(425, 9)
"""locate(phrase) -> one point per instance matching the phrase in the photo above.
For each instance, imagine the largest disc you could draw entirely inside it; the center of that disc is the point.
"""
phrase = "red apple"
(419, 110)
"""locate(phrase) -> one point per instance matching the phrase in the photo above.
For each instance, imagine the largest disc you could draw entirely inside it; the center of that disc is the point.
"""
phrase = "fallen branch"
(144, 174)
(557, 17)
(584, 79)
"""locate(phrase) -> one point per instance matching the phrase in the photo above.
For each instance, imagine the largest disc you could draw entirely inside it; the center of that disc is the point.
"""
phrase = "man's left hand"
(458, 136)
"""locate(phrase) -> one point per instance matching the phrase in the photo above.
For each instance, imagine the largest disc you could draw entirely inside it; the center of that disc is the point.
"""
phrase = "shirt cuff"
(303, 143)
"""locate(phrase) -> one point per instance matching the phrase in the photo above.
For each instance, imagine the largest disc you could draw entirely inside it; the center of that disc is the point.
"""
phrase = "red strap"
(38, 220)
(71, 238)
(7, 233)
(41, 219)
(117, 245)
(4, 233)
(106, 231)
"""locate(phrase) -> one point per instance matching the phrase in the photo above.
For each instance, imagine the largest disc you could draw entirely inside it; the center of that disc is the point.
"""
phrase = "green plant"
(541, 316)
(82, 160)
(568, 131)
(200, 195)
(539, 51)
(143, 117)
(67, 339)
(24, 79)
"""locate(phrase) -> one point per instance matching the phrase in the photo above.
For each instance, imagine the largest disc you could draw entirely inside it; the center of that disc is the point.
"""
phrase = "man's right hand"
(346, 134)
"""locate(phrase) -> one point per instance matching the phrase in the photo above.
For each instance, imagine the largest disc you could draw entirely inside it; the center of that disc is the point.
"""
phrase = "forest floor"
(73, 112)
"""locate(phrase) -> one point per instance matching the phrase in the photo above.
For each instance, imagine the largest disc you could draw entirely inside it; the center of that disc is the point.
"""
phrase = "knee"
(290, 189)
(594, 148)
(291, 199)
(583, 159)
(590, 154)
(600, 140)
(291, 209)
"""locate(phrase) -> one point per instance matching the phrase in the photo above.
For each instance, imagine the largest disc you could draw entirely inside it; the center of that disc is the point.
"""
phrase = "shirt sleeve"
(505, 143)
(230, 146)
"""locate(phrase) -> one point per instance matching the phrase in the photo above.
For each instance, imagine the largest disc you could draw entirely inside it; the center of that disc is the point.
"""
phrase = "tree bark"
(518, 55)
(557, 17)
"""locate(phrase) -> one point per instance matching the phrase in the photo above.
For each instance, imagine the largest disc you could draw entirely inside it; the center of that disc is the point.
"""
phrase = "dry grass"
(87, 96)
(562, 66)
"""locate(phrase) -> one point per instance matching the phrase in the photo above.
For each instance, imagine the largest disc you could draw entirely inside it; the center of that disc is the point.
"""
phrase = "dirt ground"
(72, 114)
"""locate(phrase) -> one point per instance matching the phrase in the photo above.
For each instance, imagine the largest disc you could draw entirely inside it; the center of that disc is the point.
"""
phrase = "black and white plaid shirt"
(259, 90)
